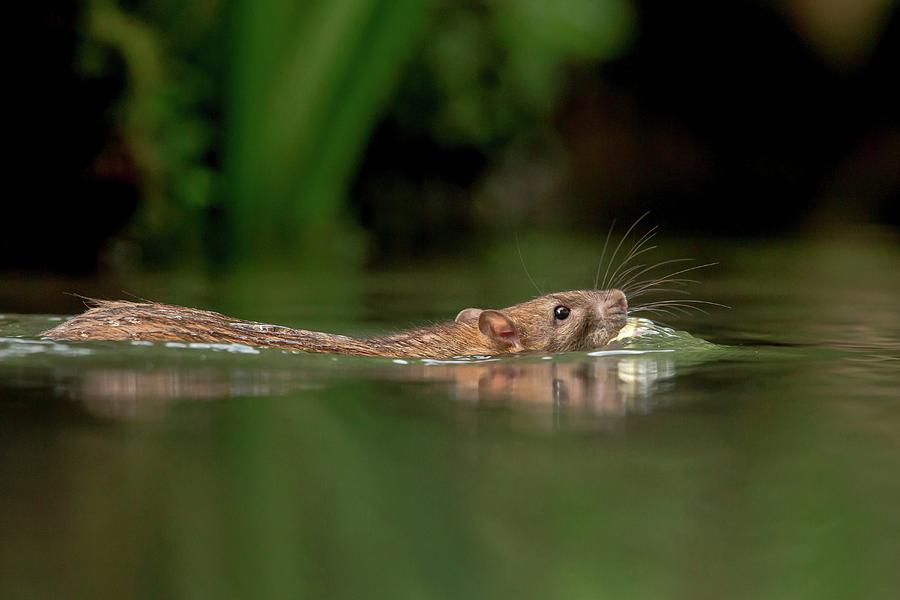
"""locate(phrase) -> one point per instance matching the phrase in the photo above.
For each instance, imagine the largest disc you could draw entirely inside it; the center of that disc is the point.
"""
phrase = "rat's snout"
(614, 303)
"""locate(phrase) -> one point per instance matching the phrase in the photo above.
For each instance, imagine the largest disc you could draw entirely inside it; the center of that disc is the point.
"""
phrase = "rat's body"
(565, 321)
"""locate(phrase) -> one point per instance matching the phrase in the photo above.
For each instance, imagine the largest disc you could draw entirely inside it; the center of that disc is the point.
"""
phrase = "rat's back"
(150, 321)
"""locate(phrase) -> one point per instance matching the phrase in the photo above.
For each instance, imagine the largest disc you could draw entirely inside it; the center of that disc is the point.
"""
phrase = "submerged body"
(559, 322)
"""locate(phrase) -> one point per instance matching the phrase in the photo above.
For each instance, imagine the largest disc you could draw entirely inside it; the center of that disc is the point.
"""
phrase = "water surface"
(745, 453)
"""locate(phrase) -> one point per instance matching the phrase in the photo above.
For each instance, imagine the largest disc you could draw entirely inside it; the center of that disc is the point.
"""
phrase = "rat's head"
(558, 322)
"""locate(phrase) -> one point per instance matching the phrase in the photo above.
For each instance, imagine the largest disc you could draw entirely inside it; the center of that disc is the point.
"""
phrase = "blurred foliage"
(167, 119)
(259, 111)
(493, 69)
(306, 85)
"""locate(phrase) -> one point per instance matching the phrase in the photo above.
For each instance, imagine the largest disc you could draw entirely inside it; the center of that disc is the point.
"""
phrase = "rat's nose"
(614, 302)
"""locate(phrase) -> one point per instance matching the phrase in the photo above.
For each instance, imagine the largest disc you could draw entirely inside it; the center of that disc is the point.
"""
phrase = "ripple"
(18, 347)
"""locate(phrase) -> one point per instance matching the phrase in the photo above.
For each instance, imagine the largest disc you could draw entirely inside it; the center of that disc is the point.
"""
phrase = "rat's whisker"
(619, 246)
(670, 276)
(684, 310)
(654, 310)
(639, 288)
(658, 289)
(631, 256)
(635, 249)
(684, 304)
(522, 260)
(603, 254)
(627, 272)
(689, 301)
(653, 281)
(647, 269)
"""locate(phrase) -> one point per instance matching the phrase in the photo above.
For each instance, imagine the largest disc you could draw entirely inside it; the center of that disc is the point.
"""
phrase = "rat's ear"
(500, 328)
(468, 315)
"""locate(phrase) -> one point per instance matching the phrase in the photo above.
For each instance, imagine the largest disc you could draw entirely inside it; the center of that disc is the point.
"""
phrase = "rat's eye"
(561, 312)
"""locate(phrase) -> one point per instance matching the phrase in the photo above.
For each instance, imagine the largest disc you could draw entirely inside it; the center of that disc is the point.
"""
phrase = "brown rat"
(558, 322)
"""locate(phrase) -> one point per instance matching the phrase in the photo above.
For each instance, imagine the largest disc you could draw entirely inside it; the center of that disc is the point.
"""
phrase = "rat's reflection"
(607, 386)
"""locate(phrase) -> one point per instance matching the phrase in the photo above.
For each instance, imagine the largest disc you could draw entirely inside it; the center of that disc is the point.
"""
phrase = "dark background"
(145, 132)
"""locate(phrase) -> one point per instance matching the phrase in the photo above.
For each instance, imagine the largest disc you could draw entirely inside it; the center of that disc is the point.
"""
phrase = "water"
(746, 453)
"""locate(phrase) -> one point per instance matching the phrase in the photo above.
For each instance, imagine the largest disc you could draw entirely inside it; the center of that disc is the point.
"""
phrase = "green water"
(755, 457)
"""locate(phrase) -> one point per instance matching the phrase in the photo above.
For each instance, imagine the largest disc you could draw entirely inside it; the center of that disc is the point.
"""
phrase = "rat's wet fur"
(595, 317)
